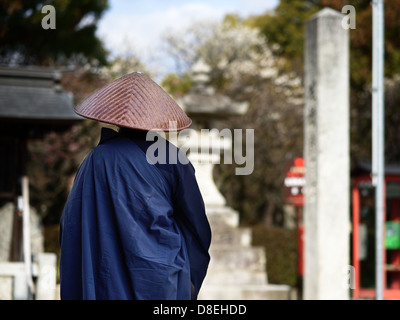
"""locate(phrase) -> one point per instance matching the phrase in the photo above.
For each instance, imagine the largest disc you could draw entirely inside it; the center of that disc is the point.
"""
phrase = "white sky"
(132, 26)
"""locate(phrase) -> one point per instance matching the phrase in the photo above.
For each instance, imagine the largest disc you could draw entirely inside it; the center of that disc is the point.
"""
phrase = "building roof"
(362, 168)
(34, 94)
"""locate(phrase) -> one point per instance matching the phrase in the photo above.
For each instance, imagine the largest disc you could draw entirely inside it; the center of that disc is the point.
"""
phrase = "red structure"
(294, 182)
(363, 237)
(294, 195)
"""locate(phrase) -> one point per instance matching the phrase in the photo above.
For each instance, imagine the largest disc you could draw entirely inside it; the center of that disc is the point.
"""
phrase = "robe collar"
(108, 134)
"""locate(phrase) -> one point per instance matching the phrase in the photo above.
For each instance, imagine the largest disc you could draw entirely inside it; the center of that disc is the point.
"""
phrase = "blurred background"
(255, 51)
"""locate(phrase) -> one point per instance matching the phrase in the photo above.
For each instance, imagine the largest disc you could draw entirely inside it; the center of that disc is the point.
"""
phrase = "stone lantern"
(237, 270)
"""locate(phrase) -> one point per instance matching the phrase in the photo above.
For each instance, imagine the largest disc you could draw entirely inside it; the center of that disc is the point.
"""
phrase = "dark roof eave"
(41, 121)
(364, 168)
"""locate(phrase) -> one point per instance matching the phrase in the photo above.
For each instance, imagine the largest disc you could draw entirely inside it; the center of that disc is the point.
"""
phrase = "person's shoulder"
(180, 161)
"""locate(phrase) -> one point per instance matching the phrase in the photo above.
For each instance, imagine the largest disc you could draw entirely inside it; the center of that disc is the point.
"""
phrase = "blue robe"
(131, 229)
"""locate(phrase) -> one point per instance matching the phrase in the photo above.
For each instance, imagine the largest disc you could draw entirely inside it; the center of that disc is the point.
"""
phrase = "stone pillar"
(47, 276)
(205, 148)
(326, 151)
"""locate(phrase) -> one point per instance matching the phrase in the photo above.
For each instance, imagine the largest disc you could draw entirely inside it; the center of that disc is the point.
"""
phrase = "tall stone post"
(326, 151)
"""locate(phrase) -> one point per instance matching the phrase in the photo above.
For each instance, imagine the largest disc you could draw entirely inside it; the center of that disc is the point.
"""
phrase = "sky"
(136, 27)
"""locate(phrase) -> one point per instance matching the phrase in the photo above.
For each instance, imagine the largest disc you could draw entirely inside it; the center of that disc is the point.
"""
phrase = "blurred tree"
(244, 68)
(361, 40)
(176, 85)
(24, 41)
(392, 120)
(278, 138)
(284, 28)
(361, 78)
(276, 100)
(236, 53)
(182, 45)
(121, 66)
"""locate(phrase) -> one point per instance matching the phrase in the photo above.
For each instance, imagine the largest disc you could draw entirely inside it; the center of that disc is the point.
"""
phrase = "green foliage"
(278, 122)
(232, 20)
(285, 28)
(242, 67)
(281, 250)
(177, 85)
(361, 40)
(24, 41)
(361, 78)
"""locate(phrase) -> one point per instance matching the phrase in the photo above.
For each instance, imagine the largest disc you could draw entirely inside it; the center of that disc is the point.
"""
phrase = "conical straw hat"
(137, 102)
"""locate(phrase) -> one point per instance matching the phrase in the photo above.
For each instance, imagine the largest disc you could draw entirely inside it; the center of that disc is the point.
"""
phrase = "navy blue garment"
(131, 229)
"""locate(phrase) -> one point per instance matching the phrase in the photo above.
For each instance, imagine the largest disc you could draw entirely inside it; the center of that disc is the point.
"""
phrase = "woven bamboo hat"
(137, 102)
